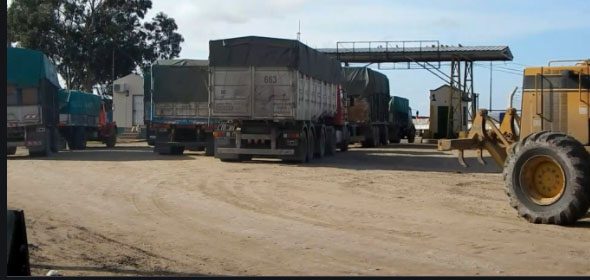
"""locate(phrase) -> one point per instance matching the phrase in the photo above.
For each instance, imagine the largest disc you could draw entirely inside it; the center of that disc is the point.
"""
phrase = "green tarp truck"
(400, 119)
(31, 102)
(179, 98)
(83, 117)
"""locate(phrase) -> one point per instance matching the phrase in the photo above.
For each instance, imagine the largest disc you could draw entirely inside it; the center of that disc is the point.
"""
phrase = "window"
(30, 96)
(11, 96)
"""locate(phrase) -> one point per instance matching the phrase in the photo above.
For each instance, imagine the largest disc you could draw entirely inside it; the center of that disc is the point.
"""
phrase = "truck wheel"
(345, 138)
(384, 137)
(78, 141)
(10, 150)
(310, 145)
(331, 142)
(210, 149)
(369, 140)
(112, 141)
(411, 137)
(55, 140)
(547, 178)
(177, 151)
(376, 135)
(321, 145)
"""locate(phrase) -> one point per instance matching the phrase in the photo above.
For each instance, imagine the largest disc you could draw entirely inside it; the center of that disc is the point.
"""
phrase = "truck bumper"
(259, 152)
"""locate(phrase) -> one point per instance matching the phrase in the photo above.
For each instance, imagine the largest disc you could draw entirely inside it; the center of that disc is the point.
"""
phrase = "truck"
(400, 120)
(180, 103)
(367, 95)
(275, 98)
(31, 102)
(85, 117)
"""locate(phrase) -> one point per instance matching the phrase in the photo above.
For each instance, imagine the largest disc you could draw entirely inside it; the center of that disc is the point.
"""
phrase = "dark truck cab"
(31, 102)
(180, 117)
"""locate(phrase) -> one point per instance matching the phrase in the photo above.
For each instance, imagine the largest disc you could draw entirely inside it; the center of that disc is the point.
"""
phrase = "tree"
(84, 37)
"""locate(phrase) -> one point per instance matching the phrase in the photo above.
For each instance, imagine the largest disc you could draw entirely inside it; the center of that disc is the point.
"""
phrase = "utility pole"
(491, 80)
(113, 73)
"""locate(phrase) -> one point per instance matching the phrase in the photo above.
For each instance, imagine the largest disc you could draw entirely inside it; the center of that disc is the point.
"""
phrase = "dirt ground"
(398, 210)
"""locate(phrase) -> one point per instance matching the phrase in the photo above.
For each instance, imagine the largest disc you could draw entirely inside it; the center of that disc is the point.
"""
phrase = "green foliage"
(83, 36)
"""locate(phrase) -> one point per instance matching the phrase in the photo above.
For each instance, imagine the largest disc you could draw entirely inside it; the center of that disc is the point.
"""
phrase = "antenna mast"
(299, 31)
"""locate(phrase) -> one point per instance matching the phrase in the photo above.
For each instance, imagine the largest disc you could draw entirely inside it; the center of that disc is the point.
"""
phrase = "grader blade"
(480, 157)
(460, 145)
(461, 157)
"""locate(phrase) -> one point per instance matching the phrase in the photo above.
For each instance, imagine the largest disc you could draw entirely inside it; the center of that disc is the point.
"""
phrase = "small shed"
(128, 106)
(446, 120)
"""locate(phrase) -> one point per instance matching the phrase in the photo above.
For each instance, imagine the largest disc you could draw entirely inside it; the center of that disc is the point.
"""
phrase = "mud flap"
(17, 244)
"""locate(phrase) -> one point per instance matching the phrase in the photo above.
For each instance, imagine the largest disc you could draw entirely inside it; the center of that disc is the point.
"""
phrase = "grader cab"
(545, 152)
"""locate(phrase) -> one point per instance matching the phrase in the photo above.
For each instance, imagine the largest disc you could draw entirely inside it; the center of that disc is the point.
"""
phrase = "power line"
(500, 70)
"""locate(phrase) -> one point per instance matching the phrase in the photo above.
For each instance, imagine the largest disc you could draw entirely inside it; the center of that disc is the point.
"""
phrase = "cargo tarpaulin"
(78, 103)
(362, 83)
(399, 104)
(180, 81)
(26, 68)
(272, 52)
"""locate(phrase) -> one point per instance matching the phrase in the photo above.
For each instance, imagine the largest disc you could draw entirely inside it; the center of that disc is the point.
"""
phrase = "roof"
(434, 53)
(182, 62)
(443, 86)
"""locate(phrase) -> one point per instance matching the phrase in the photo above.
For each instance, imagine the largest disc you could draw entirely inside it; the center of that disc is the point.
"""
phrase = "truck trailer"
(276, 98)
(31, 102)
(367, 95)
(85, 117)
(400, 120)
(180, 103)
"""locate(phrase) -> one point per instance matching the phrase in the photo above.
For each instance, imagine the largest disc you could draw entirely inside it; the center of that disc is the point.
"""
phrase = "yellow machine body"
(557, 98)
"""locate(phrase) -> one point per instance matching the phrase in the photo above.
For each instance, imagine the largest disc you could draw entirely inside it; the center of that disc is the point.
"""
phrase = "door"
(137, 110)
(442, 121)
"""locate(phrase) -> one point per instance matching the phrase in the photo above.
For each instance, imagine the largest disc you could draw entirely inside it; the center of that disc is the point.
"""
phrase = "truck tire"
(320, 150)
(176, 151)
(78, 141)
(411, 137)
(411, 134)
(376, 136)
(55, 141)
(112, 141)
(331, 142)
(369, 141)
(210, 149)
(547, 178)
(384, 136)
(310, 145)
(10, 151)
(345, 138)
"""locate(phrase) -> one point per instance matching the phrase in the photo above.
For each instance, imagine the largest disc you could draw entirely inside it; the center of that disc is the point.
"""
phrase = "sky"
(536, 31)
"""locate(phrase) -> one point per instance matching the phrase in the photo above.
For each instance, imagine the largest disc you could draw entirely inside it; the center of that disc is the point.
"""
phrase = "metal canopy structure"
(414, 51)
(428, 55)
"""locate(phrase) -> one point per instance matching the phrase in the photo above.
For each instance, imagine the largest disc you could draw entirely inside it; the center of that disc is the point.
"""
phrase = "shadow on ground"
(114, 270)
(400, 157)
(122, 153)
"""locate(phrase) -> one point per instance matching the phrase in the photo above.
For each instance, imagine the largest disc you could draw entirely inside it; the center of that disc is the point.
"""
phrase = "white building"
(128, 101)
(441, 117)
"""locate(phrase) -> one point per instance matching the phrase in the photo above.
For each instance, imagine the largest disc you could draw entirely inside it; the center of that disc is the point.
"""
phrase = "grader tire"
(547, 178)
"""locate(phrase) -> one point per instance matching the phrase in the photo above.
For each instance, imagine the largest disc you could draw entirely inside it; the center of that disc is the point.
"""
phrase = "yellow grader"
(545, 152)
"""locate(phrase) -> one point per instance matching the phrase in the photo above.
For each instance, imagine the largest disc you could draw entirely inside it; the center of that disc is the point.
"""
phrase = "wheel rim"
(543, 180)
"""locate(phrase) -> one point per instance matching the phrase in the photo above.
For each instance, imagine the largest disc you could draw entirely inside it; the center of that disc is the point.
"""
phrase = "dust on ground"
(398, 210)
